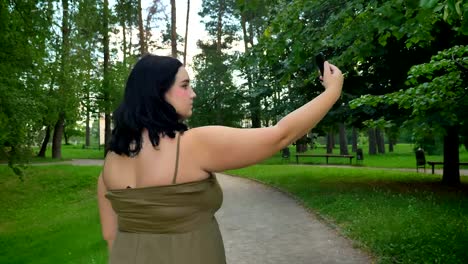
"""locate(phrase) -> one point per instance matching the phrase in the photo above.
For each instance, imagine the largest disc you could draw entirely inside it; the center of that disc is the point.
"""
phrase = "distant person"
(157, 191)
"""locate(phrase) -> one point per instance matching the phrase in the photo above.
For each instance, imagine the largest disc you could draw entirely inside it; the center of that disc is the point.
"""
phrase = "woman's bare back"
(153, 166)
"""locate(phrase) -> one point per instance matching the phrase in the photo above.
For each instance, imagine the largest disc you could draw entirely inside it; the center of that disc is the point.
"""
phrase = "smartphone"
(319, 61)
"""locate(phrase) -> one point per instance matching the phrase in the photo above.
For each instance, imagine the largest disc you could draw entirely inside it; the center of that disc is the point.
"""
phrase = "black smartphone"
(319, 61)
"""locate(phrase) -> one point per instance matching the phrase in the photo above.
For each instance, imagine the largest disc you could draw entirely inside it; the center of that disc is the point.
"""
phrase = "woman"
(157, 192)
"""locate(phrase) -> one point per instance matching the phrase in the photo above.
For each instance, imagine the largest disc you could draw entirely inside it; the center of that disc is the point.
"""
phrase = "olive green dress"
(171, 224)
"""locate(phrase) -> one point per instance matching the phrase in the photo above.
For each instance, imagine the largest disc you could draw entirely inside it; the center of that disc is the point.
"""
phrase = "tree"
(105, 81)
(219, 101)
(127, 15)
(343, 140)
(141, 32)
(435, 96)
(154, 14)
(437, 101)
(24, 27)
(173, 29)
(63, 81)
(87, 44)
(250, 13)
(186, 32)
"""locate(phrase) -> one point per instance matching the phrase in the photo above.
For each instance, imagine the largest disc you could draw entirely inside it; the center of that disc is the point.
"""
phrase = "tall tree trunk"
(220, 25)
(255, 112)
(372, 142)
(124, 41)
(173, 29)
(390, 145)
(88, 119)
(244, 32)
(254, 104)
(251, 34)
(382, 141)
(256, 115)
(65, 135)
(107, 131)
(219, 117)
(106, 85)
(186, 32)
(355, 139)
(88, 131)
(46, 140)
(59, 125)
(57, 137)
(143, 48)
(301, 144)
(451, 172)
(43, 149)
(88, 113)
(379, 138)
(392, 134)
(330, 141)
(219, 33)
(343, 140)
(130, 42)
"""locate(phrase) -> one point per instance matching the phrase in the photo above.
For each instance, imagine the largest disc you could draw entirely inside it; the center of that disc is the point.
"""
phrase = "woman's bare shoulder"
(221, 148)
(115, 162)
(112, 157)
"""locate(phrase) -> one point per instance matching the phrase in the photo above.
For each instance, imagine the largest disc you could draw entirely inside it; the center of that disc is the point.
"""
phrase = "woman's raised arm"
(221, 148)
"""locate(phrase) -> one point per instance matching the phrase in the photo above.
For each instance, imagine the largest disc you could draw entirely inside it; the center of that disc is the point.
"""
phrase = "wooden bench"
(433, 163)
(327, 156)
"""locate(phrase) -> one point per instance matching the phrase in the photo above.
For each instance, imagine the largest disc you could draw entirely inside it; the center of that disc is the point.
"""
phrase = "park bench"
(433, 163)
(327, 156)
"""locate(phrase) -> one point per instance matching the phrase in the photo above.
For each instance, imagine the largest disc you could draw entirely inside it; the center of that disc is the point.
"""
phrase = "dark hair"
(143, 106)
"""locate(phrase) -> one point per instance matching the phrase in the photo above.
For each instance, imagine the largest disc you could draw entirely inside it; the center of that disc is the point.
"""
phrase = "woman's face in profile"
(181, 94)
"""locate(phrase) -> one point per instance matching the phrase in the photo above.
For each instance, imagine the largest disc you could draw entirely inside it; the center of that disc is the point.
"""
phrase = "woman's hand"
(332, 78)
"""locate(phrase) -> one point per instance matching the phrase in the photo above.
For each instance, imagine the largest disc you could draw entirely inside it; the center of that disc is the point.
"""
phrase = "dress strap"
(177, 159)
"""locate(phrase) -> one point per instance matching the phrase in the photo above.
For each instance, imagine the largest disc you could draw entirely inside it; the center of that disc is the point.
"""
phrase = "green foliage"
(455, 12)
(437, 94)
(74, 130)
(23, 29)
(218, 100)
(211, 9)
(45, 74)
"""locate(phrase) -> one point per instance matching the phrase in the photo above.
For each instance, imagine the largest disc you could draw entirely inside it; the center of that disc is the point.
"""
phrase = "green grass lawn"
(399, 217)
(50, 217)
(71, 152)
(402, 157)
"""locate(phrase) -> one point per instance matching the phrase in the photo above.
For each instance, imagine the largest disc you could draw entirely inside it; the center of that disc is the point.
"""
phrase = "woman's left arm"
(107, 215)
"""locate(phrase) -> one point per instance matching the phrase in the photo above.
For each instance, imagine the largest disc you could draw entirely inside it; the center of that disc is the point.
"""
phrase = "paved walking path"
(261, 225)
